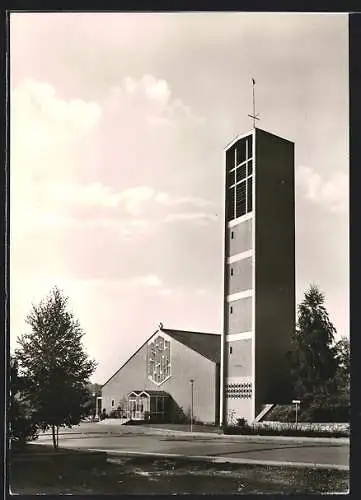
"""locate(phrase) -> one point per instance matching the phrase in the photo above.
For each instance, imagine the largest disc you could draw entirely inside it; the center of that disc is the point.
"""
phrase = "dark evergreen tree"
(314, 361)
(320, 369)
(53, 360)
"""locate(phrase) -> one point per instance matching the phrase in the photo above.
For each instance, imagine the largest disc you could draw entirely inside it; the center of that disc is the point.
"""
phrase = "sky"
(118, 125)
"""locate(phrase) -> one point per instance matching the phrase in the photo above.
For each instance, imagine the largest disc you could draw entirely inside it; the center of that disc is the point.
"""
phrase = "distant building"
(155, 382)
(259, 274)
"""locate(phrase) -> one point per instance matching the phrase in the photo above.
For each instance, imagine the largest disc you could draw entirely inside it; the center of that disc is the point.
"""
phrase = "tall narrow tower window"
(249, 194)
(241, 173)
(230, 203)
(230, 159)
(249, 146)
(231, 178)
(241, 208)
(249, 168)
(239, 170)
(241, 152)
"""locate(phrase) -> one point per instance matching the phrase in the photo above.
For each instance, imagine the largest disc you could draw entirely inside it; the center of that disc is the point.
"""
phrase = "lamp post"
(192, 382)
(296, 402)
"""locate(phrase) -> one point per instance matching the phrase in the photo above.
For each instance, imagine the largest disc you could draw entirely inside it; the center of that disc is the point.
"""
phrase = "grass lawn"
(147, 475)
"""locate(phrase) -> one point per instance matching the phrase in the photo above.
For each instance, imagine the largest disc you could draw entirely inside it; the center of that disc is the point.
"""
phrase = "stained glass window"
(158, 360)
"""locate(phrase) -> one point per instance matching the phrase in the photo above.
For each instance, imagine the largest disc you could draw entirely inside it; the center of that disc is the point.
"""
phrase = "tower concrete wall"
(275, 266)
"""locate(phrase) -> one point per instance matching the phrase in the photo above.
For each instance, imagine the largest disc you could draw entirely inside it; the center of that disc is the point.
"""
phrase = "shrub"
(241, 422)
(311, 412)
(287, 430)
(22, 427)
(114, 414)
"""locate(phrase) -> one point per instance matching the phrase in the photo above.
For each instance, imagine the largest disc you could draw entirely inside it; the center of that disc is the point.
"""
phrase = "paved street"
(138, 439)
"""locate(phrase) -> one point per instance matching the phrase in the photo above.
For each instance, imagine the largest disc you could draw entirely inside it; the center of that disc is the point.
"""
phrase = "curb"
(77, 433)
(255, 437)
(231, 437)
(222, 460)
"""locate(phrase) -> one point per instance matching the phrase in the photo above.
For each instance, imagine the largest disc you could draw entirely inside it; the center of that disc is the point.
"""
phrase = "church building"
(173, 375)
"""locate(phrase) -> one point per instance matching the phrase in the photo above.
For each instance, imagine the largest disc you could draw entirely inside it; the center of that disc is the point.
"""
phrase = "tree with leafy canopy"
(343, 358)
(53, 360)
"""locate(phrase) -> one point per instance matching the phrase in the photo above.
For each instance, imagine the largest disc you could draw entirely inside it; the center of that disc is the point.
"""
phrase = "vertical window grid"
(239, 179)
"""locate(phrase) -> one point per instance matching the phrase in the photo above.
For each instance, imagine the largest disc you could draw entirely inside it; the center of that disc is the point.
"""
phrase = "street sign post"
(297, 403)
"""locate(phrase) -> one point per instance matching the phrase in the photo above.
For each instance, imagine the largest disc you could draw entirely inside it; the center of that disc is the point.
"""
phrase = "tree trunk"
(57, 436)
(54, 438)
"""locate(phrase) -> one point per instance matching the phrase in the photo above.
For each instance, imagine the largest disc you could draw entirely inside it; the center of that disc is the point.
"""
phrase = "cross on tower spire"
(254, 115)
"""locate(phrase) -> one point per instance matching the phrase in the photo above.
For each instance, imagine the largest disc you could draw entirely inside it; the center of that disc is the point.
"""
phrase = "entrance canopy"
(144, 405)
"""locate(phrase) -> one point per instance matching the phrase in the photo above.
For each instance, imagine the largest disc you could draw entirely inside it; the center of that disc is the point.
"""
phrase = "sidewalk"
(118, 429)
(162, 430)
(112, 457)
(242, 437)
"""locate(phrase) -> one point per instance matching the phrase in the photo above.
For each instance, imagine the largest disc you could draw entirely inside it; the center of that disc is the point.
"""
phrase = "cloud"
(150, 280)
(41, 123)
(157, 90)
(200, 217)
(152, 99)
(45, 132)
(58, 181)
(135, 198)
(332, 193)
(65, 153)
(69, 203)
(166, 199)
(65, 194)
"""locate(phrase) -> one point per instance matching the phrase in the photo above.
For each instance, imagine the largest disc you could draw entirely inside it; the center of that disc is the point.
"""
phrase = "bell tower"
(259, 273)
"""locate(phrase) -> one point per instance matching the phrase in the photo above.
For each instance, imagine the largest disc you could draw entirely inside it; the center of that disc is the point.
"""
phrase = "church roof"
(206, 344)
